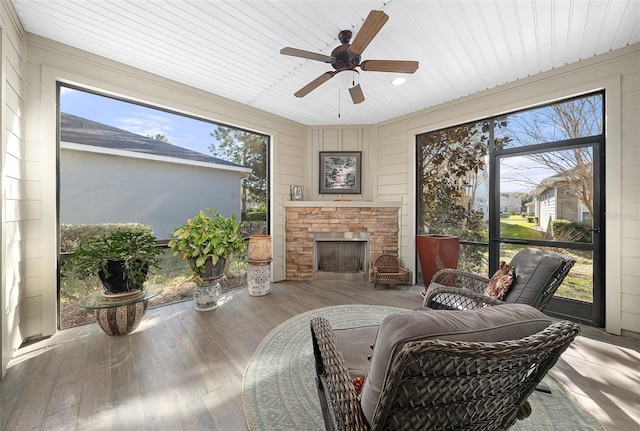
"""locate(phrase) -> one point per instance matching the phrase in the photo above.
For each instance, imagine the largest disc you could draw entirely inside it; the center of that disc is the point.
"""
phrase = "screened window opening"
(134, 166)
(531, 178)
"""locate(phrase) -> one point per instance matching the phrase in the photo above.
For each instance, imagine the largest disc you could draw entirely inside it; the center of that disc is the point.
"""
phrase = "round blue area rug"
(279, 390)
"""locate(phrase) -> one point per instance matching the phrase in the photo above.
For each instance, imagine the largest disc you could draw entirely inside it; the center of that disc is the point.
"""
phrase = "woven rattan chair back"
(468, 290)
(437, 384)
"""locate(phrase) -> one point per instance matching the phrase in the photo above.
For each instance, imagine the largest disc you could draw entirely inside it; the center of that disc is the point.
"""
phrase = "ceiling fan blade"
(357, 96)
(295, 52)
(368, 31)
(397, 66)
(314, 84)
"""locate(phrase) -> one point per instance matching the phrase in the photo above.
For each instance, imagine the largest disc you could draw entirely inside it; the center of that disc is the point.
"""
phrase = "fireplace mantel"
(344, 204)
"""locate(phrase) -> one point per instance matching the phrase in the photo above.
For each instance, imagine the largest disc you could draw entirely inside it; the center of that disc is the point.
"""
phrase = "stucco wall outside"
(100, 188)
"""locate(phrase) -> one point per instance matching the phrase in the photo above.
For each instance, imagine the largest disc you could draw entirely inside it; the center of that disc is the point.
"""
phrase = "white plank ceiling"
(231, 48)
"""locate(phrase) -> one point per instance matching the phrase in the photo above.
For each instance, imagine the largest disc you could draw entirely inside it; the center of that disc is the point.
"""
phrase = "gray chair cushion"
(498, 323)
(355, 345)
(534, 269)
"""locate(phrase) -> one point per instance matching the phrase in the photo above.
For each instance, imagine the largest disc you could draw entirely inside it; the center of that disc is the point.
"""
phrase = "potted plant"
(207, 241)
(121, 260)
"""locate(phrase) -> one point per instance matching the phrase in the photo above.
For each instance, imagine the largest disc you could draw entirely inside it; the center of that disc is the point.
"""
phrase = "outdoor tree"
(249, 150)
(452, 166)
(448, 160)
(159, 137)
(577, 118)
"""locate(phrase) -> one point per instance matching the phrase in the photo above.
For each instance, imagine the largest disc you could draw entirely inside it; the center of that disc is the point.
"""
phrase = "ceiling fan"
(347, 57)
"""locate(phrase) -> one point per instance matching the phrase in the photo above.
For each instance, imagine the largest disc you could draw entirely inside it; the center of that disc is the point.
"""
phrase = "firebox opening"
(341, 256)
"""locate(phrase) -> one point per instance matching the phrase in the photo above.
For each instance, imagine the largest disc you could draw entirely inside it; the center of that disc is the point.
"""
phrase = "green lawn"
(578, 284)
(518, 227)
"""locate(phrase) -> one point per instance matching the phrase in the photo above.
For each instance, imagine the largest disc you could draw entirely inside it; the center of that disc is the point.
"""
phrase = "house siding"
(547, 211)
(15, 295)
(629, 215)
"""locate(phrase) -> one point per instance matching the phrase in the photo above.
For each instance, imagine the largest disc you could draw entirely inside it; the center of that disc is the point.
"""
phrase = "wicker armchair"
(538, 274)
(436, 384)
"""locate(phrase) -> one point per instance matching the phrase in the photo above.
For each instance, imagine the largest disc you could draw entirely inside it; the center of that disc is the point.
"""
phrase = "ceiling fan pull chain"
(338, 103)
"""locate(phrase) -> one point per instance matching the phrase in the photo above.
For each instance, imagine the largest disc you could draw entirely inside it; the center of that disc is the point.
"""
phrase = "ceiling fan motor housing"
(343, 59)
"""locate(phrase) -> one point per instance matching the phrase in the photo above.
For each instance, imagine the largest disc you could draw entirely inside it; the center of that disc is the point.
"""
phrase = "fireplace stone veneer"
(304, 219)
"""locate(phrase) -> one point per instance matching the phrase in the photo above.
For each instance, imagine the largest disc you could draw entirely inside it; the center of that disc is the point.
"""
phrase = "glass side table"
(120, 314)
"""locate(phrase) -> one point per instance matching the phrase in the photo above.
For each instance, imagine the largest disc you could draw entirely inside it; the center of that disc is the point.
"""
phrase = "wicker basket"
(386, 270)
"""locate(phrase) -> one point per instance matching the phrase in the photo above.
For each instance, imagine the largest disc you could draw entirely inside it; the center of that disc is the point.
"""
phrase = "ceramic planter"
(259, 277)
(115, 283)
(207, 296)
(436, 252)
(259, 248)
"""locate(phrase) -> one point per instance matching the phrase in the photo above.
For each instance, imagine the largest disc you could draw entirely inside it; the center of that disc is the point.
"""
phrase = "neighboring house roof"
(551, 182)
(78, 130)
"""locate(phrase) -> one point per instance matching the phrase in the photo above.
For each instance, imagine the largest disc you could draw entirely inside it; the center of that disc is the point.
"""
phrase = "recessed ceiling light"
(399, 80)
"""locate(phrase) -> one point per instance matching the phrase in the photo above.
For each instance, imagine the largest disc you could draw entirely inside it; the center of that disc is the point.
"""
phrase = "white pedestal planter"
(259, 277)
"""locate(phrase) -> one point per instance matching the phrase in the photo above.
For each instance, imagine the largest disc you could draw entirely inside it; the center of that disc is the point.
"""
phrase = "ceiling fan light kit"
(347, 57)
(346, 79)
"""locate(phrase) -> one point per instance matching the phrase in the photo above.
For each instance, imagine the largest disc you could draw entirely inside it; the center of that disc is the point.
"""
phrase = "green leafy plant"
(71, 236)
(207, 237)
(136, 251)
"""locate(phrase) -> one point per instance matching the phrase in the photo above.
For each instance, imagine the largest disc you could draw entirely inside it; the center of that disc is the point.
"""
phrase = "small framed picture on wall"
(341, 172)
(297, 193)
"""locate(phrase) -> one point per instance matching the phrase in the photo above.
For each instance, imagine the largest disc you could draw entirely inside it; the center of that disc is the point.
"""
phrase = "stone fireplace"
(347, 228)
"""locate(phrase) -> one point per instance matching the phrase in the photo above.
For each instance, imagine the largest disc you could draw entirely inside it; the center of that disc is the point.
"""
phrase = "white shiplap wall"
(14, 295)
(629, 216)
(618, 73)
(332, 138)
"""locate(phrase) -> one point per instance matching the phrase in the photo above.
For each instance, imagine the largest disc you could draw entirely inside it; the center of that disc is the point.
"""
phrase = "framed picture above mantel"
(340, 172)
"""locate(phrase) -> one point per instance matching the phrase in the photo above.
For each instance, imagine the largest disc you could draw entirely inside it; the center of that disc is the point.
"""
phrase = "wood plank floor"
(182, 370)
